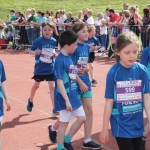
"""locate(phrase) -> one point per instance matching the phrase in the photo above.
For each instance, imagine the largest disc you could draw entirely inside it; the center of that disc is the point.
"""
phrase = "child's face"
(83, 34)
(84, 12)
(72, 47)
(61, 15)
(47, 31)
(128, 55)
(92, 33)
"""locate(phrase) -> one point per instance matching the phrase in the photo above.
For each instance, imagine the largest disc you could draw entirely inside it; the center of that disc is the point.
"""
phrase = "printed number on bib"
(82, 62)
(73, 70)
(46, 55)
(128, 91)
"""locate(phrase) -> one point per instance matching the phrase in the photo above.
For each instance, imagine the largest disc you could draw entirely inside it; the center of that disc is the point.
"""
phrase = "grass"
(68, 5)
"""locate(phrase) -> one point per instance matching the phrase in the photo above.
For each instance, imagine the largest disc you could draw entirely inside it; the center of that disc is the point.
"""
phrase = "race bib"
(82, 62)
(128, 91)
(46, 55)
(73, 70)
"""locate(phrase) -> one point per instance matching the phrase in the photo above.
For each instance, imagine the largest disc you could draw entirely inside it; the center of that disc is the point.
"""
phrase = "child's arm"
(5, 94)
(82, 85)
(83, 70)
(147, 106)
(64, 95)
(104, 135)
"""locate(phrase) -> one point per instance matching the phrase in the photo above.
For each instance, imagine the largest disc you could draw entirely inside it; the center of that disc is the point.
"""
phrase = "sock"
(143, 138)
(68, 138)
(60, 147)
(52, 128)
(87, 140)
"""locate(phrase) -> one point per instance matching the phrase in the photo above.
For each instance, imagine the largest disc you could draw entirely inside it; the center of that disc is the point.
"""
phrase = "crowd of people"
(70, 73)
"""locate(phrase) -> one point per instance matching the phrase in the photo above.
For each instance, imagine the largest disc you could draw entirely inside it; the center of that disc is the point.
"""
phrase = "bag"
(3, 44)
(111, 51)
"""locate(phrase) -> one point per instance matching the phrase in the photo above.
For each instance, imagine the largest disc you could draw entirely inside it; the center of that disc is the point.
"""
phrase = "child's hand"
(38, 52)
(68, 106)
(104, 136)
(83, 70)
(83, 87)
(92, 47)
(8, 105)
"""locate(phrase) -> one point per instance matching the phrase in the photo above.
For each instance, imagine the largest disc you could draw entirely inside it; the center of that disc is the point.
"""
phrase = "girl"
(90, 20)
(127, 91)
(44, 48)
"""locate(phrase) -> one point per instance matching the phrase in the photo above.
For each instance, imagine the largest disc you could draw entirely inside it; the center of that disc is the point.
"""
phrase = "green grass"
(68, 5)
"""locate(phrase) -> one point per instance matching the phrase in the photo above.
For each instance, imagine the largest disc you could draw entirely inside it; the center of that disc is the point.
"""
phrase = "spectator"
(8, 20)
(79, 17)
(148, 6)
(125, 6)
(68, 22)
(16, 20)
(106, 15)
(8, 34)
(90, 20)
(145, 21)
(12, 15)
(2, 24)
(85, 17)
(48, 16)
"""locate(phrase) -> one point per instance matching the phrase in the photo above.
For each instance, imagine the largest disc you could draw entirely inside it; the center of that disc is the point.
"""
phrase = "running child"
(44, 49)
(127, 92)
(145, 60)
(66, 97)
(4, 94)
(92, 40)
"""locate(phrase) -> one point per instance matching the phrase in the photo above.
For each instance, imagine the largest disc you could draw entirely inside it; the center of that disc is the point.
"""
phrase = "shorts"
(1, 122)
(86, 95)
(92, 57)
(39, 78)
(65, 115)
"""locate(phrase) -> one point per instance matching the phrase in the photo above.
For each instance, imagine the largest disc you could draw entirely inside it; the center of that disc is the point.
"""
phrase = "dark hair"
(67, 37)
(146, 12)
(111, 10)
(50, 24)
(107, 9)
(61, 12)
(78, 26)
(22, 15)
(57, 12)
(47, 12)
(42, 13)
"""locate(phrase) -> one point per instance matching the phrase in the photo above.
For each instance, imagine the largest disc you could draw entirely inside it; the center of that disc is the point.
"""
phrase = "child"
(90, 20)
(145, 60)
(92, 40)
(85, 17)
(66, 98)
(8, 34)
(44, 48)
(4, 93)
(127, 91)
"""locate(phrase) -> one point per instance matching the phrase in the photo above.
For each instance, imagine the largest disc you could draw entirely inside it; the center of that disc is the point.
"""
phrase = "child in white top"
(90, 20)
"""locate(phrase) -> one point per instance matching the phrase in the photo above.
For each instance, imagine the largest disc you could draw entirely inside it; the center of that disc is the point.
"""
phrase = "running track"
(28, 131)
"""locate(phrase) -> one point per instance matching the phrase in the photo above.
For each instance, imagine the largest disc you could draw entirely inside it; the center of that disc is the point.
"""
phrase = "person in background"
(12, 15)
(79, 17)
(85, 17)
(48, 16)
(90, 20)
(68, 22)
(8, 20)
(125, 6)
(148, 6)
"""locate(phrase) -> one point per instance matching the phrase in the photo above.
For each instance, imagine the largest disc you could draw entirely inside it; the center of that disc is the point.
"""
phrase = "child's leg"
(33, 90)
(147, 130)
(51, 88)
(91, 67)
(0, 142)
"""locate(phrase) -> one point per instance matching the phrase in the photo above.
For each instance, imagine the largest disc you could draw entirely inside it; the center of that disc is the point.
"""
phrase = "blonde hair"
(28, 10)
(85, 9)
(135, 8)
(90, 12)
(100, 15)
(123, 40)
(90, 28)
(103, 20)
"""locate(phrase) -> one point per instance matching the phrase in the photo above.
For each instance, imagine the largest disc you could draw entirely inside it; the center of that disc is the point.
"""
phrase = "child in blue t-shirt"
(145, 60)
(127, 92)
(3, 93)
(44, 49)
(93, 41)
(66, 97)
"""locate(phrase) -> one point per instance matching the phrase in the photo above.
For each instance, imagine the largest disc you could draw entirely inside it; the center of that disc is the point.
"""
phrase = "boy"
(66, 98)
(3, 92)
(92, 40)
(90, 20)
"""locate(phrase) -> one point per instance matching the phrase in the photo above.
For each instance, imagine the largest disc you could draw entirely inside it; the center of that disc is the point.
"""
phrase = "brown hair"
(124, 40)
(126, 13)
(90, 28)
(50, 24)
(78, 26)
(42, 13)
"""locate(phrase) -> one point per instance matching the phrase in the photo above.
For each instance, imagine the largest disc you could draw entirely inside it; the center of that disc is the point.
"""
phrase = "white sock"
(52, 128)
(87, 140)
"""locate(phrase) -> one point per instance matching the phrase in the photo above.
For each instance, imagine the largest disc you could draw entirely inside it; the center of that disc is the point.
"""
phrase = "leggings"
(129, 143)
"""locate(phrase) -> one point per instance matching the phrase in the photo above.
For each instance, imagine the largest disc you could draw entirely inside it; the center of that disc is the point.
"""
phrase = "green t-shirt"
(34, 18)
(12, 18)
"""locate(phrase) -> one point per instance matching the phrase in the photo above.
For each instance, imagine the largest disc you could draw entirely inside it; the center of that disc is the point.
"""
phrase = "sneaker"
(94, 81)
(29, 105)
(143, 145)
(91, 145)
(52, 135)
(68, 146)
(54, 112)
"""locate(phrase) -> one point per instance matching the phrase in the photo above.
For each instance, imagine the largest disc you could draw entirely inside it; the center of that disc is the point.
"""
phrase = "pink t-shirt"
(116, 17)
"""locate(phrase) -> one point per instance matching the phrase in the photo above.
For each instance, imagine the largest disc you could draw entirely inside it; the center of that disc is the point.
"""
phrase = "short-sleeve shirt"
(42, 68)
(61, 20)
(68, 21)
(34, 18)
(127, 116)
(41, 20)
(2, 79)
(62, 65)
(115, 18)
(90, 21)
(145, 59)
(82, 51)
(12, 18)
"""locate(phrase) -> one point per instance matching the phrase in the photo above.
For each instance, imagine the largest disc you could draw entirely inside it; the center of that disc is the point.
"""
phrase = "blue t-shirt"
(82, 51)
(62, 64)
(145, 59)
(127, 116)
(41, 20)
(42, 68)
(94, 40)
(2, 79)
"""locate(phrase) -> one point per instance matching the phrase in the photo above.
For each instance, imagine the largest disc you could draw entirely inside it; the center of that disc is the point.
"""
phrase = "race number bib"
(82, 62)
(73, 70)
(46, 55)
(128, 91)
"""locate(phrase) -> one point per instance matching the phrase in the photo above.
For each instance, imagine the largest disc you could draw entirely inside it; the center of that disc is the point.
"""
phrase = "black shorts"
(92, 57)
(39, 78)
